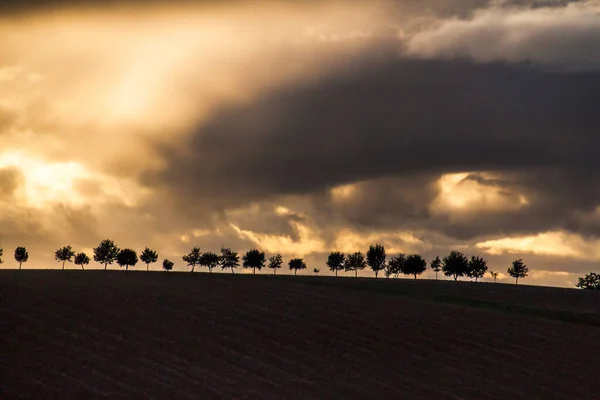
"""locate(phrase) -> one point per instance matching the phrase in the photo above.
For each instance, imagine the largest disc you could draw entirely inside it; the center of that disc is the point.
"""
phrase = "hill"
(111, 334)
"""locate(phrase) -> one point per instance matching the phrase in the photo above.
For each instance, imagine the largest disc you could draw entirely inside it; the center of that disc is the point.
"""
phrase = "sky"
(304, 127)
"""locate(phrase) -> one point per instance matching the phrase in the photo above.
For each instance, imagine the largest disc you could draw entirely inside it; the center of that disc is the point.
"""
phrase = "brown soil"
(97, 334)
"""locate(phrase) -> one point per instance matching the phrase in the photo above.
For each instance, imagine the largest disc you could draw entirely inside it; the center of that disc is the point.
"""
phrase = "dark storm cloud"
(401, 117)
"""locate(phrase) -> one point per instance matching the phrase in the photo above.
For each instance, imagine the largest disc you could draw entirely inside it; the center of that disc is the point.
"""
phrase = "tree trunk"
(20, 265)
(476, 278)
(455, 278)
(105, 265)
(274, 271)
(83, 269)
(336, 272)
(415, 276)
(376, 272)
(193, 266)
(232, 271)
(147, 266)
(253, 270)
(295, 272)
(356, 273)
(127, 268)
(517, 281)
(436, 275)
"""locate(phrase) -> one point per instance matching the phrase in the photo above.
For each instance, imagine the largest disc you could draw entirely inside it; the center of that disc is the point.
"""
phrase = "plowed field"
(158, 335)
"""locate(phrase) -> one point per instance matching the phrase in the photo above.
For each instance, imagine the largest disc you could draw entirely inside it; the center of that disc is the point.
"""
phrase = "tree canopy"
(193, 258)
(335, 261)
(355, 262)
(296, 264)
(590, 281)
(275, 262)
(209, 260)
(127, 258)
(82, 259)
(254, 259)
(518, 270)
(436, 265)
(148, 257)
(106, 252)
(1, 254)
(414, 265)
(167, 264)
(395, 265)
(64, 254)
(455, 264)
(229, 259)
(21, 255)
(477, 267)
(376, 258)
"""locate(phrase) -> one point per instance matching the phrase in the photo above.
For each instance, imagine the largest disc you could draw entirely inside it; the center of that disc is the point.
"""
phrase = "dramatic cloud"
(304, 127)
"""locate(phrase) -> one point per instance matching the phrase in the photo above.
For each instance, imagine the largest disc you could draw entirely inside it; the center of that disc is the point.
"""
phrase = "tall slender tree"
(355, 262)
(376, 258)
(209, 260)
(455, 264)
(229, 259)
(477, 267)
(395, 265)
(167, 264)
(193, 258)
(82, 259)
(106, 253)
(21, 255)
(254, 259)
(436, 265)
(64, 254)
(518, 270)
(296, 264)
(414, 265)
(148, 257)
(335, 261)
(127, 258)
(275, 262)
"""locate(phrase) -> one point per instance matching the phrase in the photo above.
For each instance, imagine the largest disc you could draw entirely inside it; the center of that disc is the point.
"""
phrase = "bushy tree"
(335, 261)
(193, 258)
(590, 281)
(376, 258)
(148, 257)
(275, 262)
(167, 264)
(127, 258)
(209, 260)
(254, 259)
(414, 265)
(229, 259)
(296, 264)
(436, 265)
(395, 265)
(106, 253)
(1, 254)
(64, 254)
(518, 270)
(355, 262)
(21, 255)
(82, 259)
(455, 264)
(477, 267)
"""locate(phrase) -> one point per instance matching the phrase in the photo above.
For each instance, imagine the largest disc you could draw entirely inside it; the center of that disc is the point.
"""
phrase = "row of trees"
(455, 265)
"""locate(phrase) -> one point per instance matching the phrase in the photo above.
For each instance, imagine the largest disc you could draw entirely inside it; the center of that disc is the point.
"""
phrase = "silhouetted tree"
(395, 265)
(477, 267)
(316, 270)
(82, 259)
(21, 255)
(590, 281)
(127, 258)
(1, 254)
(376, 258)
(436, 265)
(167, 265)
(355, 262)
(296, 264)
(106, 253)
(193, 258)
(335, 261)
(275, 262)
(254, 259)
(494, 275)
(64, 254)
(148, 257)
(455, 264)
(518, 270)
(209, 260)
(414, 265)
(229, 259)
